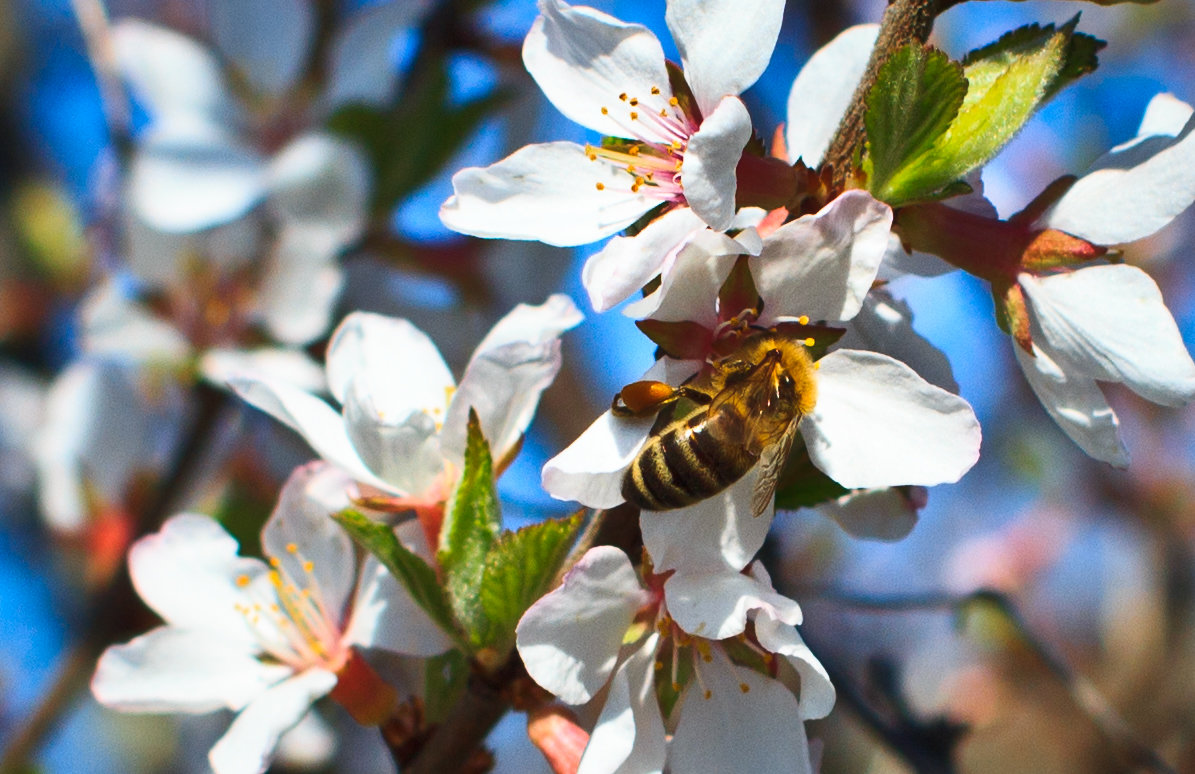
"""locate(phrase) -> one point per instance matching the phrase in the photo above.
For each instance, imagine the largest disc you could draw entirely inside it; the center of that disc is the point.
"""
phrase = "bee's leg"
(698, 397)
(642, 398)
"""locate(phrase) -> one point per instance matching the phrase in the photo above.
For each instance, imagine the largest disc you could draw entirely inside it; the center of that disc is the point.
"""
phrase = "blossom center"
(290, 617)
(657, 129)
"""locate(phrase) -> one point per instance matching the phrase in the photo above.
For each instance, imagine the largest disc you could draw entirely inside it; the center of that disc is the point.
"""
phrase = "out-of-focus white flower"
(401, 429)
(876, 422)
(675, 148)
(1109, 322)
(264, 639)
(629, 638)
(106, 426)
(204, 190)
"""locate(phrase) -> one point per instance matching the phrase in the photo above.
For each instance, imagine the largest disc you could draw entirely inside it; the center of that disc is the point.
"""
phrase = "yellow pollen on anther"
(676, 687)
(274, 562)
(633, 150)
(242, 581)
(744, 687)
(634, 116)
(308, 566)
(623, 96)
(291, 548)
(634, 101)
(605, 111)
(659, 665)
(601, 186)
(663, 113)
(708, 693)
(809, 342)
(803, 319)
(640, 180)
(655, 90)
(631, 168)
(674, 101)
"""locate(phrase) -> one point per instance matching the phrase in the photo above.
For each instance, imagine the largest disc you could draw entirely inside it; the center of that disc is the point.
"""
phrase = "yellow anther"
(592, 156)
(663, 113)
(708, 693)
(639, 181)
(744, 687)
(308, 566)
(635, 188)
(605, 111)
(631, 168)
(633, 150)
(659, 665)
(242, 581)
(291, 548)
(676, 687)
(674, 101)
(634, 101)
(803, 319)
(274, 562)
(809, 342)
(655, 90)
(623, 96)
(634, 116)
(601, 186)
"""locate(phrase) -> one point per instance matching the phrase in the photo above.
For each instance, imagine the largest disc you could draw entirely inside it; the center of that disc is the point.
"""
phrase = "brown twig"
(904, 22)
(1135, 752)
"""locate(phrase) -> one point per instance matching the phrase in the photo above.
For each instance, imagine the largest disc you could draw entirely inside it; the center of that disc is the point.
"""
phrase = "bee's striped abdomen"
(683, 464)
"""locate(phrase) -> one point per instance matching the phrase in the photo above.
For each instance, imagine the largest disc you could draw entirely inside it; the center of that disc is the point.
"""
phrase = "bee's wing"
(771, 463)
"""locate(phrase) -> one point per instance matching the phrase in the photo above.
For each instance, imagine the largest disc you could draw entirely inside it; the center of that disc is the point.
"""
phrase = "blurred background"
(119, 295)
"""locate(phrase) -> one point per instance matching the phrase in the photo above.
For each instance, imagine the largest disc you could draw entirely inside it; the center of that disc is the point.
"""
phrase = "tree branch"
(904, 22)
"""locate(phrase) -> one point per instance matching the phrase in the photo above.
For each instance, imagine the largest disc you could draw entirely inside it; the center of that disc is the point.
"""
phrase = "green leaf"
(917, 94)
(407, 567)
(471, 524)
(520, 569)
(802, 485)
(1007, 82)
(410, 141)
(444, 679)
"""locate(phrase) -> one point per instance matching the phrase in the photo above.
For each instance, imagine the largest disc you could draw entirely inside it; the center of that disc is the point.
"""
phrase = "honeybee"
(748, 406)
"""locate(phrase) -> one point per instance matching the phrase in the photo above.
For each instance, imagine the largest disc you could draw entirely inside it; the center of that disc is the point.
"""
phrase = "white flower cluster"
(691, 633)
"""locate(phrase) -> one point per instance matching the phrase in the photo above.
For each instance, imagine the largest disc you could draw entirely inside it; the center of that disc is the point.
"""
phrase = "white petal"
(381, 354)
(503, 386)
(248, 747)
(822, 92)
(570, 638)
(711, 159)
(1165, 114)
(583, 60)
(402, 449)
(724, 45)
(1131, 192)
(300, 284)
(626, 264)
(114, 325)
(714, 533)
(292, 366)
(885, 324)
(170, 73)
(385, 616)
(629, 735)
(689, 286)
(191, 175)
(301, 530)
(177, 670)
(590, 470)
(767, 733)
(268, 40)
(1076, 403)
(877, 514)
(817, 692)
(362, 67)
(189, 573)
(714, 605)
(545, 192)
(840, 251)
(533, 324)
(877, 423)
(310, 417)
(1110, 322)
(321, 180)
